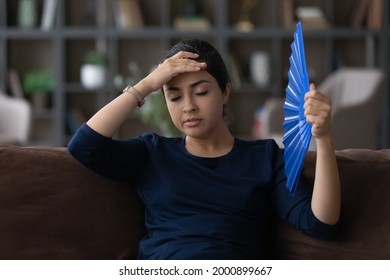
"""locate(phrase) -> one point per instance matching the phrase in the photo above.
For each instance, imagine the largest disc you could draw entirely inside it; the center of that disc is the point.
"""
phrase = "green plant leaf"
(38, 81)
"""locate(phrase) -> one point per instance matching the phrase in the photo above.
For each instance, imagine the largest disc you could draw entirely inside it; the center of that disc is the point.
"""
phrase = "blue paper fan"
(297, 132)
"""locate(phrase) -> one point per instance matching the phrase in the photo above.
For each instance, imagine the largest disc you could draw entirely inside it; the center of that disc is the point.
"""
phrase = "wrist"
(325, 143)
(136, 94)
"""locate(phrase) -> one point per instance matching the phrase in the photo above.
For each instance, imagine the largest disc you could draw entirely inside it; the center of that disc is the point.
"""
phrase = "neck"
(218, 144)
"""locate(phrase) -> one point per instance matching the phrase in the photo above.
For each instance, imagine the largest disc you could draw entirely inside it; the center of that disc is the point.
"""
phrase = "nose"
(189, 105)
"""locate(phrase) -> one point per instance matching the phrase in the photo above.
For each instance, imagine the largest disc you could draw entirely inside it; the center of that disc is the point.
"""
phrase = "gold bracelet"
(136, 94)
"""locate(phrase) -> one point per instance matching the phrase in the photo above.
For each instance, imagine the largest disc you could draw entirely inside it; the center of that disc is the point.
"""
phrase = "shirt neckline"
(227, 155)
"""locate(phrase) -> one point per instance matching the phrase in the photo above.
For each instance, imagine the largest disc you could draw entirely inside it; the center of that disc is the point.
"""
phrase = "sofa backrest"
(51, 207)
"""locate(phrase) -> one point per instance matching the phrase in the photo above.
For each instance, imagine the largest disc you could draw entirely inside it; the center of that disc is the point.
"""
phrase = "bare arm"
(108, 119)
(326, 193)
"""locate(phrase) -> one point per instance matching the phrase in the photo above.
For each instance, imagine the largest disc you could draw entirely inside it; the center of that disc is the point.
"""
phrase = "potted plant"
(93, 71)
(37, 86)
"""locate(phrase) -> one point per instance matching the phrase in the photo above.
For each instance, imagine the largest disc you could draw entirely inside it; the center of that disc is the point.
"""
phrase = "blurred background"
(61, 60)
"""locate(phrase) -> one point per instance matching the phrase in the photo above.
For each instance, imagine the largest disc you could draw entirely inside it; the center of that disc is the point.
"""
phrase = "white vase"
(93, 76)
(260, 68)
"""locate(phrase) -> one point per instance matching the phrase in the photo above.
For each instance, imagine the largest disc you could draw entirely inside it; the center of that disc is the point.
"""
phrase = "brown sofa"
(51, 207)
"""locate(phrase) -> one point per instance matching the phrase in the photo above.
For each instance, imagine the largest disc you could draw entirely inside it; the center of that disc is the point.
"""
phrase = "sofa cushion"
(51, 207)
(364, 224)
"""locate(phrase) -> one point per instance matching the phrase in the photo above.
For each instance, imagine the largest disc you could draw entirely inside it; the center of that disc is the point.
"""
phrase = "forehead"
(186, 79)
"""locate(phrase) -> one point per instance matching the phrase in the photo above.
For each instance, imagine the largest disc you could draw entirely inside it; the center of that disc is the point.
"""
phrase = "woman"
(208, 195)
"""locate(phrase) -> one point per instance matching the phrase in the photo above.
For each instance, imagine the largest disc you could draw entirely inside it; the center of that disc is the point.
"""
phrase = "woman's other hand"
(318, 110)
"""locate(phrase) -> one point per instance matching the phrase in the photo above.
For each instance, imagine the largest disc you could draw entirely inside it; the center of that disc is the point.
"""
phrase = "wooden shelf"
(64, 45)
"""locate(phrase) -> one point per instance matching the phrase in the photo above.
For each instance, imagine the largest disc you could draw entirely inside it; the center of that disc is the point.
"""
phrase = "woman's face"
(195, 103)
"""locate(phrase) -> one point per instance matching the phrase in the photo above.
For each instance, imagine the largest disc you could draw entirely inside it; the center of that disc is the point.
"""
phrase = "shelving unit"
(77, 29)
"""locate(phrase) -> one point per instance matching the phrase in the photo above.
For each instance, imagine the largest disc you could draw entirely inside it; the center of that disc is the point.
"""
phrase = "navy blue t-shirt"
(202, 208)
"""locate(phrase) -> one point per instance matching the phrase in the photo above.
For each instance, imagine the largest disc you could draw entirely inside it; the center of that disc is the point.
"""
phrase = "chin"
(192, 133)
(197, 134)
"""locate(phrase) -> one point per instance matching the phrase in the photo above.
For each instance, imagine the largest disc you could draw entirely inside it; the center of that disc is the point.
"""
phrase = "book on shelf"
(311, 17)
(374, 19)
(48, 14)
(127, 14)
(288, 17)
(191, 23)
(15, 84)
(359, 13)
(367, 13)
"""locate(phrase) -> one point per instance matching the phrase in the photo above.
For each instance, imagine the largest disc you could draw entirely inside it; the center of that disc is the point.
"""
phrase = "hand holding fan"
(297, 132)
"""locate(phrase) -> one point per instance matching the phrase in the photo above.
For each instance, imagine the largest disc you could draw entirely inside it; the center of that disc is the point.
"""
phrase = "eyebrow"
(173, 88)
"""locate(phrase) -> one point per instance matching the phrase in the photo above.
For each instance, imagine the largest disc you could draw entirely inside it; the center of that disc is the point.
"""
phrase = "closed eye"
(174, 99)
(201, 93)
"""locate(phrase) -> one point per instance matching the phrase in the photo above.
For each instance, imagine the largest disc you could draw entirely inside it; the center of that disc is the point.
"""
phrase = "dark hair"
(207, 53)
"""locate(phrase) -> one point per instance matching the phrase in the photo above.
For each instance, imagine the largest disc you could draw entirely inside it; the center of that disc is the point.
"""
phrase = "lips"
(192, 122)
